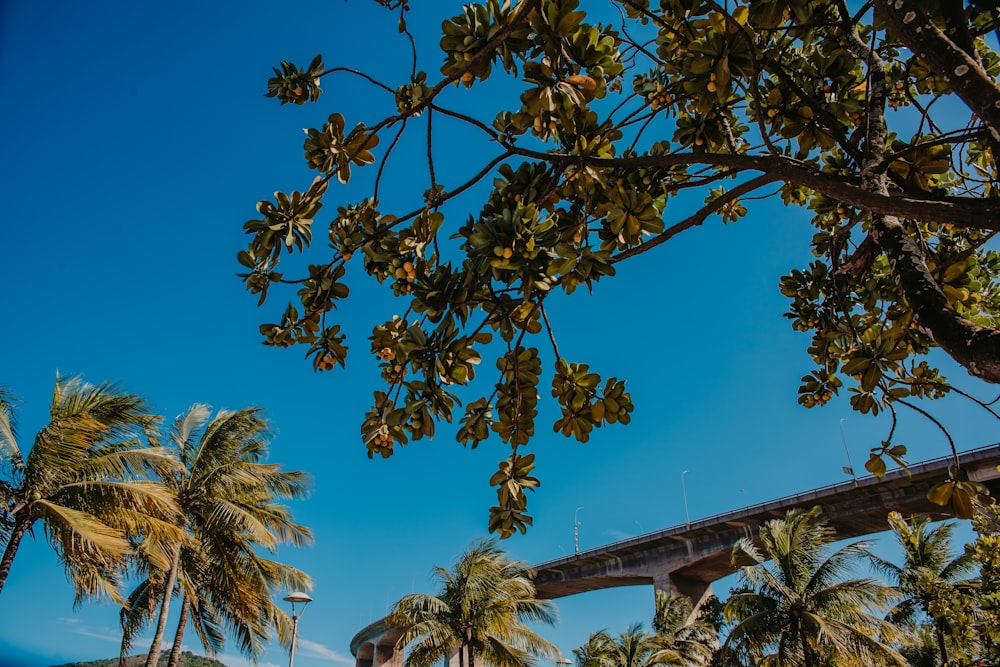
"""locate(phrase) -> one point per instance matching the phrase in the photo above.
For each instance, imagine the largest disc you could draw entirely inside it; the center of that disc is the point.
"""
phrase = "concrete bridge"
(688, 558)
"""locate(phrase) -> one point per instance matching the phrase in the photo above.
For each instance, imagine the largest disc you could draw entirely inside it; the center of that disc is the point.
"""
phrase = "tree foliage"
(89, 478)
(676, 640)
(881, 121)
(801, 608)
(933, 585)
(231, 506)
(482, 612)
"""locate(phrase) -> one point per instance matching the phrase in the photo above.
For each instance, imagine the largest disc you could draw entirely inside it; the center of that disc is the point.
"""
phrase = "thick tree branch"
(974, 213)
(976, 348)
(909, 22)
(972, 346)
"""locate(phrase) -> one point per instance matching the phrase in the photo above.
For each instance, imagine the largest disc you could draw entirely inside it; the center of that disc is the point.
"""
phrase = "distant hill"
(187, 659)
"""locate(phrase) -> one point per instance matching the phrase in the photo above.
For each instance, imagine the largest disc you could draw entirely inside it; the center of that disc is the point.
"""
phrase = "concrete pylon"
(695, 590)
(386, 656)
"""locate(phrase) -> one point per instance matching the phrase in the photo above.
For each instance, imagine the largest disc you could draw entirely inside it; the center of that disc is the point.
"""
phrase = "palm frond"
(208, 626)
(80, 529)
(184, 431)
(136, 614)
(9, 450)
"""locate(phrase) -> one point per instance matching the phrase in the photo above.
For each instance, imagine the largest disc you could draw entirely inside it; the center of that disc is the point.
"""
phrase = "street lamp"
(297, 596)
(576, 543)
(563, 660)
(849, 468)
(687, 518)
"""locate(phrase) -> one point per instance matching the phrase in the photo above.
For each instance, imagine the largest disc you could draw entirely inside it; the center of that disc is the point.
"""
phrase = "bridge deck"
(701, 551)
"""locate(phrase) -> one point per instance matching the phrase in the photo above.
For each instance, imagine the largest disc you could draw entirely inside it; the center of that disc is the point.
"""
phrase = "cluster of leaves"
(801, 91)
(985, 552)
(290, 84)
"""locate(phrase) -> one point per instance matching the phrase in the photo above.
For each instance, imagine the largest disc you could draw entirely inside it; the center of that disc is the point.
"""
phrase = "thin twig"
(697, 218)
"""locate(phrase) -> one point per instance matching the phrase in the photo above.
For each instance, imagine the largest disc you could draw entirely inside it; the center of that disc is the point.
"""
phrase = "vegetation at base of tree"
(481, 613)
(877, 123)
(187, 659)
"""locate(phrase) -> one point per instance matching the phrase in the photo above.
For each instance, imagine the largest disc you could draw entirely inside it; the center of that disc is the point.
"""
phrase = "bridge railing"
(759, 507)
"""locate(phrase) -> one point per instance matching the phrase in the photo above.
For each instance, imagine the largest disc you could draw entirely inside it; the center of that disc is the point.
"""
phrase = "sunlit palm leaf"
(10, 453)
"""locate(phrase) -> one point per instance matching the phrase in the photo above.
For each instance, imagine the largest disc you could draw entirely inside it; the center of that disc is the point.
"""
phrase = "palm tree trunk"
(21, 525)
(175, 650)
(161, 624)
(807, 655)
(941, 644)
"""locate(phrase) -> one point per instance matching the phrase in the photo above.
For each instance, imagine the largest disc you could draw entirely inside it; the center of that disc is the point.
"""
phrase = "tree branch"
(973, 213)
(909, 22)
(697, 218)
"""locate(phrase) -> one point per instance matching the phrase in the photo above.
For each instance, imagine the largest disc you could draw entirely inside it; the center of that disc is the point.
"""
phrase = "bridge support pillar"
(385, 656)
(695, 590)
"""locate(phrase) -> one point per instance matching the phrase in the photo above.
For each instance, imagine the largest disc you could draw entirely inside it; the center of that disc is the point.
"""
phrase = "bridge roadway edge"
(688, 557)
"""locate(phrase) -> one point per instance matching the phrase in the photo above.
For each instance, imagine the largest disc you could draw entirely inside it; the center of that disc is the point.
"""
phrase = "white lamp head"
(297, 597)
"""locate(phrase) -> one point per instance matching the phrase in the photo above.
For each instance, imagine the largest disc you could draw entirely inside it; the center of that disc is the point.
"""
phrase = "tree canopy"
(482, 612)
(880, 120)
(801, 607)
(86, 478)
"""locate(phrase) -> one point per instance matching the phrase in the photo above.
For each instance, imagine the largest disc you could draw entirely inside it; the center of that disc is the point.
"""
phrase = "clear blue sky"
(135, 142)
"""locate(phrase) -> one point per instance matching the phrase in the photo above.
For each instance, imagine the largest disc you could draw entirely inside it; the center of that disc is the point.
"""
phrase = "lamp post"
(849, 468)
(563, 661)
(687, 518)
(297, 596)
(576, 543)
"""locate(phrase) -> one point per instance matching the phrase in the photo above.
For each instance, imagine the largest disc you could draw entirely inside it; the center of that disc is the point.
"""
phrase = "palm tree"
(633, 648)
(229, 499)
(929, 573)
(85, 479)
(481, 612)
(674, 641)
(922, 650)
(693, 640)
(800, 609)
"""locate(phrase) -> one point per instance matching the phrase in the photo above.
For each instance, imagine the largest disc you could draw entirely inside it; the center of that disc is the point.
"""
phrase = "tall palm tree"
(230, 503)
(481, 612)
(693, 640)
(801, 608)
(929, 572)
(86, 479)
